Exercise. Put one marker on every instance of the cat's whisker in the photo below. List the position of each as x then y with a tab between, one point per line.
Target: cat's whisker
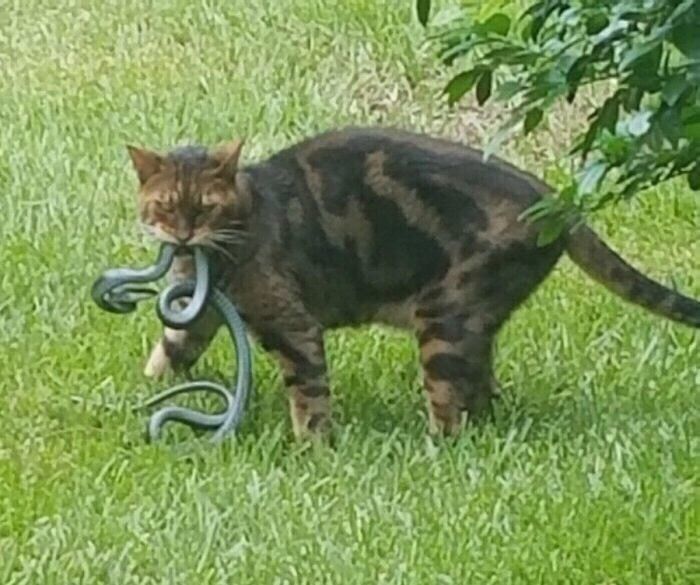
216	247
147	230
230	232
229	240
220	240
228	237
229	225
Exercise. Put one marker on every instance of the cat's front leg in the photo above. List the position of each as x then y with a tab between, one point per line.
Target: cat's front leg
301	355
179	349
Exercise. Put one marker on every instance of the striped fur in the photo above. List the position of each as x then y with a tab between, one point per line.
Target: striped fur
368	225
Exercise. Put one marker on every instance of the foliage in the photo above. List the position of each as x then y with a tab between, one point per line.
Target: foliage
645	131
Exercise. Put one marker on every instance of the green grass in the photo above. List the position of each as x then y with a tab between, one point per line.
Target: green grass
589	474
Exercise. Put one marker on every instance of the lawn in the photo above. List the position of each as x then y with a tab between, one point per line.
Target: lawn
588	475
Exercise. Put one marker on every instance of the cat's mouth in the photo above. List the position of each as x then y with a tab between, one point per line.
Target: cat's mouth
158	233
221	240
191	239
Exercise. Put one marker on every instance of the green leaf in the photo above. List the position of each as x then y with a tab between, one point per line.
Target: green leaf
691	131
451	52
462	47
632	98
673	89
526	31
682	9
596	23
461	84
686	39
550	230
691	114
638	52
578	69
423	11
506	54
613	147
483	87
539	14
591	177
539	209
571	45
533	119
646	80
584	143
609	113
569	194
486	7
498	24
654	139
612	32
669	122
508	89
639	123
694	178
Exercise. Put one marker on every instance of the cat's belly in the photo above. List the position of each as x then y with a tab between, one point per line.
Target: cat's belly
337	312
340	301
399	315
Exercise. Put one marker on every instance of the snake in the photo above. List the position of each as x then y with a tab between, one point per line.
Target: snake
119	290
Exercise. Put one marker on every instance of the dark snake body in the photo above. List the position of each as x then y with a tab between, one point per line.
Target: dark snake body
120	289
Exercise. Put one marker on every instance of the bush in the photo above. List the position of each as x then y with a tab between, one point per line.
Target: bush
645	131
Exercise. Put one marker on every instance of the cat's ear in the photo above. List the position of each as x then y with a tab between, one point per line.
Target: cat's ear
146	162
227	155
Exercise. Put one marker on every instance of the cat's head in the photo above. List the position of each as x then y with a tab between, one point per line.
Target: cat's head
192	195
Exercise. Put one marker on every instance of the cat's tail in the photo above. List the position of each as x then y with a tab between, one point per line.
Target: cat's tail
603	265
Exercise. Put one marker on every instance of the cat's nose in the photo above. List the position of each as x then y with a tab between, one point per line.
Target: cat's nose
184	235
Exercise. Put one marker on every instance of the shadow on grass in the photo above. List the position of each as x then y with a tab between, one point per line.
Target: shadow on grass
393	410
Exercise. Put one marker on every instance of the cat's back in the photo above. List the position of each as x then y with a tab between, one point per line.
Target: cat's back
369	217
417	161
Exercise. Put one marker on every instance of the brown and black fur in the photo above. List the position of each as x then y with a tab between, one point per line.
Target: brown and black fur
369	225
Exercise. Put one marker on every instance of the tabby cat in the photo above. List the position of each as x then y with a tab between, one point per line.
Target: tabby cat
369	225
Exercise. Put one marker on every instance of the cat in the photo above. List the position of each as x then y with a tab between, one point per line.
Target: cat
367	225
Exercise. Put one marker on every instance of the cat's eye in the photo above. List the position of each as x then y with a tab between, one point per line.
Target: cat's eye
203	217
210	201
203	213
166	206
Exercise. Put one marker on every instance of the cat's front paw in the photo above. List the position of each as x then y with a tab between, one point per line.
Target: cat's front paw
158	363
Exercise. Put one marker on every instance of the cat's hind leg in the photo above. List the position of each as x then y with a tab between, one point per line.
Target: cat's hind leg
456	355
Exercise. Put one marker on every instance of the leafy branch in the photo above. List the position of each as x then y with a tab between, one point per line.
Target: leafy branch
645	132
